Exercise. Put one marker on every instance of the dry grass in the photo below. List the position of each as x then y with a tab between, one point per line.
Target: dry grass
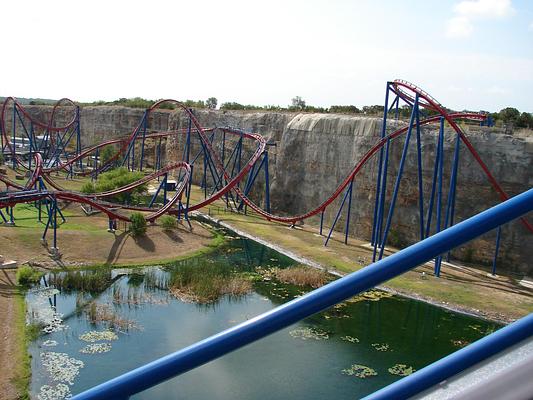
211	290
303	276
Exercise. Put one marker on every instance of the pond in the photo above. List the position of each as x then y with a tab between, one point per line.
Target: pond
99	324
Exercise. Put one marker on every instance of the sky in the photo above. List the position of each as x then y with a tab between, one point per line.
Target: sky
472	54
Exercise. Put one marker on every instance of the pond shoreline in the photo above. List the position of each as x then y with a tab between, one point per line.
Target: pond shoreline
306	261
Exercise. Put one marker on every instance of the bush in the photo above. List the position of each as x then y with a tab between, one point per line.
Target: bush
107	153
117	178
88	188
138	224
167	222
27	276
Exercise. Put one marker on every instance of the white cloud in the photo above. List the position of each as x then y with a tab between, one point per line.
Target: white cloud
459	27
466	11
485	8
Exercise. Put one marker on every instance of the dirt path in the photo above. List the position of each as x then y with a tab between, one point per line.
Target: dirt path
9	352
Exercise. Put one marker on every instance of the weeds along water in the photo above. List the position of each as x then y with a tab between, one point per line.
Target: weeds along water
96	324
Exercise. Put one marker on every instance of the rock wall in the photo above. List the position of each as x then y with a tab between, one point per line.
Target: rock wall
98	122
312	153
315	152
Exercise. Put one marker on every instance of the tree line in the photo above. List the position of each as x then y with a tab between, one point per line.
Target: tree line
508	116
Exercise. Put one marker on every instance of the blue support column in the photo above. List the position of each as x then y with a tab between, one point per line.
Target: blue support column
14	144
398	179
440	146
496	250
188	141
373	240
322	220
338	215
347	227
267	184
165	180
420	177
30	137
145	123
78	138
434	180
55	222
188	193
450	208
381	204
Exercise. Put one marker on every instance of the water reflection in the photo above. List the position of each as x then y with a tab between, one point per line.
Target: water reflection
323	356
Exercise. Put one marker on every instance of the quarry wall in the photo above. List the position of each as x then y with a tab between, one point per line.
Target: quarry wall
313	153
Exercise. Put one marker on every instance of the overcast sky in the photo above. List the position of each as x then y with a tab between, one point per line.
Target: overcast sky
474	54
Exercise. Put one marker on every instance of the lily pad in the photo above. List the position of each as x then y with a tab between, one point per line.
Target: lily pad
360	371
401	370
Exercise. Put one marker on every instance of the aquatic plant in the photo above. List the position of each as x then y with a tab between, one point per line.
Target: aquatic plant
359	371
401	370
98	336
309	333
61	367
350	339
102	313
460	342
58	392
81	281
302	276
49	343
380	346
42	314
27	276
370	295
206	283
96	348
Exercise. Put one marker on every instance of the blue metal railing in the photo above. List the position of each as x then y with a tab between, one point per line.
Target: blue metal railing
234	338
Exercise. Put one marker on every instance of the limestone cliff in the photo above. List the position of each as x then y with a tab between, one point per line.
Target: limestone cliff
312	153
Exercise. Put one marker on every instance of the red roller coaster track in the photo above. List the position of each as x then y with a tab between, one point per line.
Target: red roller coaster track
405	90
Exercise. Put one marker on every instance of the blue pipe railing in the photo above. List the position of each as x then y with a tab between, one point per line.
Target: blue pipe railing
320	299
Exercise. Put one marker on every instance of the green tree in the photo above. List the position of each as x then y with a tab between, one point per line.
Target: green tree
297	103
525	120
509	115
344	109
211	103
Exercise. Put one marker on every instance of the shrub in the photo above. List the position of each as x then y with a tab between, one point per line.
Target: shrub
138	224
117	178
303	276
107	153
27	276
88	188
168	223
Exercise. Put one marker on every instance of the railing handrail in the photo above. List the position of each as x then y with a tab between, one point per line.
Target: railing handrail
289	313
